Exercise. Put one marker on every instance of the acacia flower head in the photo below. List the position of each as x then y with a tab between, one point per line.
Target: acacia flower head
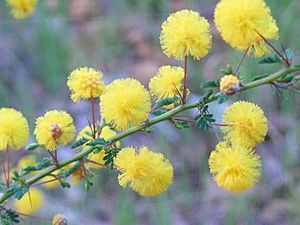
147	173
30	203
229	83
55	127
246	124
85	83
234	168
185	33
125	103
241	21
14	129
21	9
106	133
167	83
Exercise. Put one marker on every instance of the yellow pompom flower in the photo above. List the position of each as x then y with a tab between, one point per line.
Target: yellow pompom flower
21	9
147	173
185	33
24	205
246	124
167	83
106	133
14	129
126	103
228	83
238	21
55	127
234	168
85	83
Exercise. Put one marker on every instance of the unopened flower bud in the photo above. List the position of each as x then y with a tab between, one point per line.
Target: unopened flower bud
229	84
59	219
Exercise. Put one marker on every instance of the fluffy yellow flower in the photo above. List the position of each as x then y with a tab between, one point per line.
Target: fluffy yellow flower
185	33
21	9
125	103
234	168
55	127
229	82
14	129
238	21
246	122
106	133
25	206
85	83
167	82
148	173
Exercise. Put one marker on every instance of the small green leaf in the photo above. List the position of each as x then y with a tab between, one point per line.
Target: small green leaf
20	191
80	142
43	164
223	98
32	146
67	173
210	84
149	130
227	70
15	175
89	133
166	101
259	77
204	99
97	141
269	59
287	78
182	124
64	184
158	112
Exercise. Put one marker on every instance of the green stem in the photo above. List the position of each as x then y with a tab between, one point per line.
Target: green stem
163	117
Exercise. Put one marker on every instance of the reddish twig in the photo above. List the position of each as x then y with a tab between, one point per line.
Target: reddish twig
93	115
241	61
274	49
185	80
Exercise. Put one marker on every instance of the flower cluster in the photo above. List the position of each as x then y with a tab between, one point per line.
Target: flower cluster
234	164
125	105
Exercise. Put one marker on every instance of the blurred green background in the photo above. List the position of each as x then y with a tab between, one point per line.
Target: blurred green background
121	38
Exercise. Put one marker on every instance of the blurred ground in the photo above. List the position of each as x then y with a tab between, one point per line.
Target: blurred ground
121	38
